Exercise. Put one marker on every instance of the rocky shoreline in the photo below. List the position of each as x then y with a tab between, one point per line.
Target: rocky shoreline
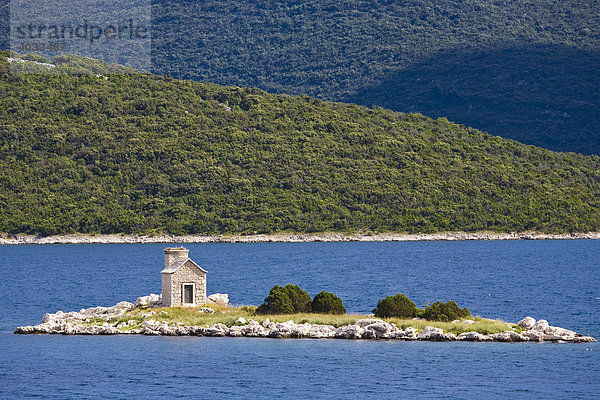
290	238
109	321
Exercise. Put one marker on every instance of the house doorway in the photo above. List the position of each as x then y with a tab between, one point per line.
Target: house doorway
188	293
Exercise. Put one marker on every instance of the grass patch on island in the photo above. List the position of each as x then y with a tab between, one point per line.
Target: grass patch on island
191	316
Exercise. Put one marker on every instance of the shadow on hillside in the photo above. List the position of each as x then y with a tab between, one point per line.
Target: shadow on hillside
543	95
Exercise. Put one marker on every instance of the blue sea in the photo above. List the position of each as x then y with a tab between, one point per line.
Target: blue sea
554	280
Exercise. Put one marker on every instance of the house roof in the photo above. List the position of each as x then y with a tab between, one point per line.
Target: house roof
175	266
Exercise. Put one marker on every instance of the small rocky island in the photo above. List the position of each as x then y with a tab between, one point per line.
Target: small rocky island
147	317
183	309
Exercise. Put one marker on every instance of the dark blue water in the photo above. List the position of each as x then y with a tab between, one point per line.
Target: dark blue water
556	280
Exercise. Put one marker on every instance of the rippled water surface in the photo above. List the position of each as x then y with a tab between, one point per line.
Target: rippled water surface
555	280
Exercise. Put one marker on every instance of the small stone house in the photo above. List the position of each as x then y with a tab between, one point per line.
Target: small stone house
183	281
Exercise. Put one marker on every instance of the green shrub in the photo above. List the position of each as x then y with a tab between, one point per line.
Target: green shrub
277	302
395	306
299	298
248	309
289	299
328	303
449	311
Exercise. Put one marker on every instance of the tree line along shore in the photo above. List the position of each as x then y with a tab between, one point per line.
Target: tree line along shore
9	239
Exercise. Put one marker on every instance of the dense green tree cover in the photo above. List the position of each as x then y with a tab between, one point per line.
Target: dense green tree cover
300	298
398	306
327	303
144	153
401	306
290	299
543	95
277	302
527	70
449	311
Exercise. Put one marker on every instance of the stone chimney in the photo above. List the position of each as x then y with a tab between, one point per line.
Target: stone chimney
175	255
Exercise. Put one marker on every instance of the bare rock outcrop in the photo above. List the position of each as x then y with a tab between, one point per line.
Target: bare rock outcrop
219	299
148	301
509	336
526	323
541	330
436	334
474	337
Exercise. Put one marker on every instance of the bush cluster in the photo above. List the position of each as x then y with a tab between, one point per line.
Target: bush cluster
395	306
328	303
401	306
291	299
449	311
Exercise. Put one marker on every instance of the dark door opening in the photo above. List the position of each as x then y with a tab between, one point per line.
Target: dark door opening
188	294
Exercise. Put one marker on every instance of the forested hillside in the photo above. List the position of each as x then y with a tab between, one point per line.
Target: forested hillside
527	70
98	152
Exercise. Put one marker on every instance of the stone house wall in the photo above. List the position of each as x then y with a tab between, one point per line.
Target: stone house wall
167	291
187	273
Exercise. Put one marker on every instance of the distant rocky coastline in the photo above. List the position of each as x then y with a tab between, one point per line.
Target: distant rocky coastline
108	321
290	238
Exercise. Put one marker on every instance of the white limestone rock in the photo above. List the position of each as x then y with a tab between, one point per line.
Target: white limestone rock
124	305
219	299
196	330
254	329
431	333
206	310
282	330
473	337
367	321
322	332
286	325
168	330
509	336
583	339
526	323
301	331
380	330
540	326
217	330
150	324
48	317
408	334
349	332
562	332
26	330
236	331
182	331
93	312
534	336
150	300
